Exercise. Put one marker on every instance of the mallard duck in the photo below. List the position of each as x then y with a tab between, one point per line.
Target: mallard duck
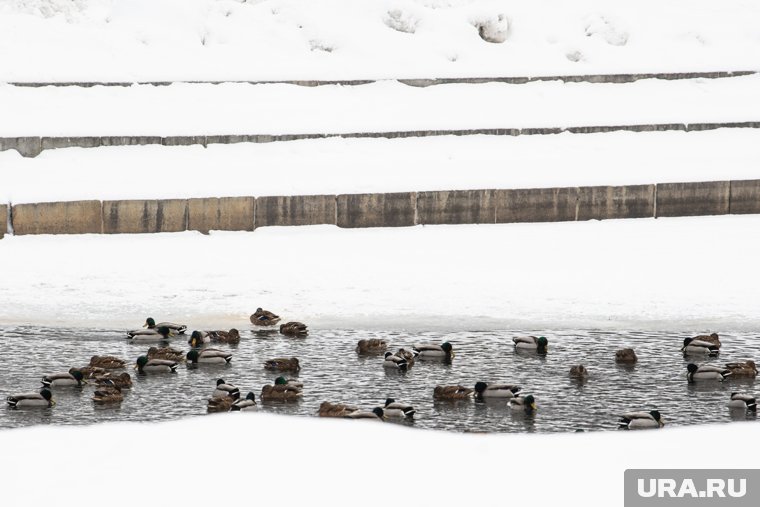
176	328
145	365
483	390
742	369
578	371
167	353
264	318
246	404
525	404
150	335
641	420
692	346
122	380
108	394
91	371
107	362
41	399
709	338
408	356
539	344
400	410
743	401
282	381
626	356
198	339
452	393
327	409
280	392
209	356
74	378
220	404
371	346
231	336
393	361
377	414
225	390
431	351
706	372
294	329
283	364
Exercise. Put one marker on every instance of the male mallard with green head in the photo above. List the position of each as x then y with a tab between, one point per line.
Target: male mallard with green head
706	372
539	344
245	404
198	339
377	414
641	420
145	365
395	362
225	390
693	346
443	351
208	356
72	378
41	399
743	401
393	408
151	335
522	403
152	328
483	390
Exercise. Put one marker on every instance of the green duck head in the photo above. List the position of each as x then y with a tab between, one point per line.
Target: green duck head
196	339
446	346
192	356
388	401
149	323
530	403
164	331
542	343
280	381
78	375
141	362
480	387
251	396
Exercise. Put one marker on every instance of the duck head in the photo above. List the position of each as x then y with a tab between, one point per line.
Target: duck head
196	339
251	396
530	403
379	412
480	387
192	356
541	344
149	323
141	362
691	367
48	395
280	381
164	332
657	417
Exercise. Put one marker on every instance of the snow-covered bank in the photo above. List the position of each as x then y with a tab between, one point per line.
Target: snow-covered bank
279	39
664	274
298	461
335	166
200	109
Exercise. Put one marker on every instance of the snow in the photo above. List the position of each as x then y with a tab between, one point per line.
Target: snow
234	457
199	109
329	39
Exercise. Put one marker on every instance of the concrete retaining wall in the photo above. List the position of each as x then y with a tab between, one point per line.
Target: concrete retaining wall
76	217
387	210
296	210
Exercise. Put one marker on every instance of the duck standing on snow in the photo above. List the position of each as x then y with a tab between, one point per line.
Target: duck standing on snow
74	378
148	335
746	369
264	318
294	329
448	393
145	365
693	346
706	372
743	401
641	420
539	344
208	356
371	346
483	390
522	403
443	351
399	410
41	399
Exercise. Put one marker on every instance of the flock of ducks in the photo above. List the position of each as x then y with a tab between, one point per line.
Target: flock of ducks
226	397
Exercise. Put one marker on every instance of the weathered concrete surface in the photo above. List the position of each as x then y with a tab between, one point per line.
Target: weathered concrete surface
377	210
295	210
605	202
220	214
456	207
129	140
183	140
745	197
26	146
140	216
49	143
536	205
3	220
692	199
75	217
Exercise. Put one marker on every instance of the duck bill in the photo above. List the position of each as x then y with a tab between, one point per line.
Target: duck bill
134	367
533	406
145	325
52	403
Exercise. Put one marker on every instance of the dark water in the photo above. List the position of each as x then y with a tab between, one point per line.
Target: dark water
331	371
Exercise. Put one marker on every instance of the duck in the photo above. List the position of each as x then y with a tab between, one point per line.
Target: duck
73	378
398	410
225	390
641	420
452	393
294	329
264	318
41	399
539	344
377	414
152	328
107	362
393	361
692	346
122	381
108	394
371	346
409	357
743	401
208	356
150	335
91	371
232	336
220	404
198	339
483	390
167	353
145	365
745	369
245	404
579	371
706	372
280	392
282	381
327	409
627	356
431	351
283	364
522	403
709	338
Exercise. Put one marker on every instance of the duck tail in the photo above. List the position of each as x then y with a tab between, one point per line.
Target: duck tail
409	413
46	382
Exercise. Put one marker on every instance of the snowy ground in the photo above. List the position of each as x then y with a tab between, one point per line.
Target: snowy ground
281	39
199	109
336	166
